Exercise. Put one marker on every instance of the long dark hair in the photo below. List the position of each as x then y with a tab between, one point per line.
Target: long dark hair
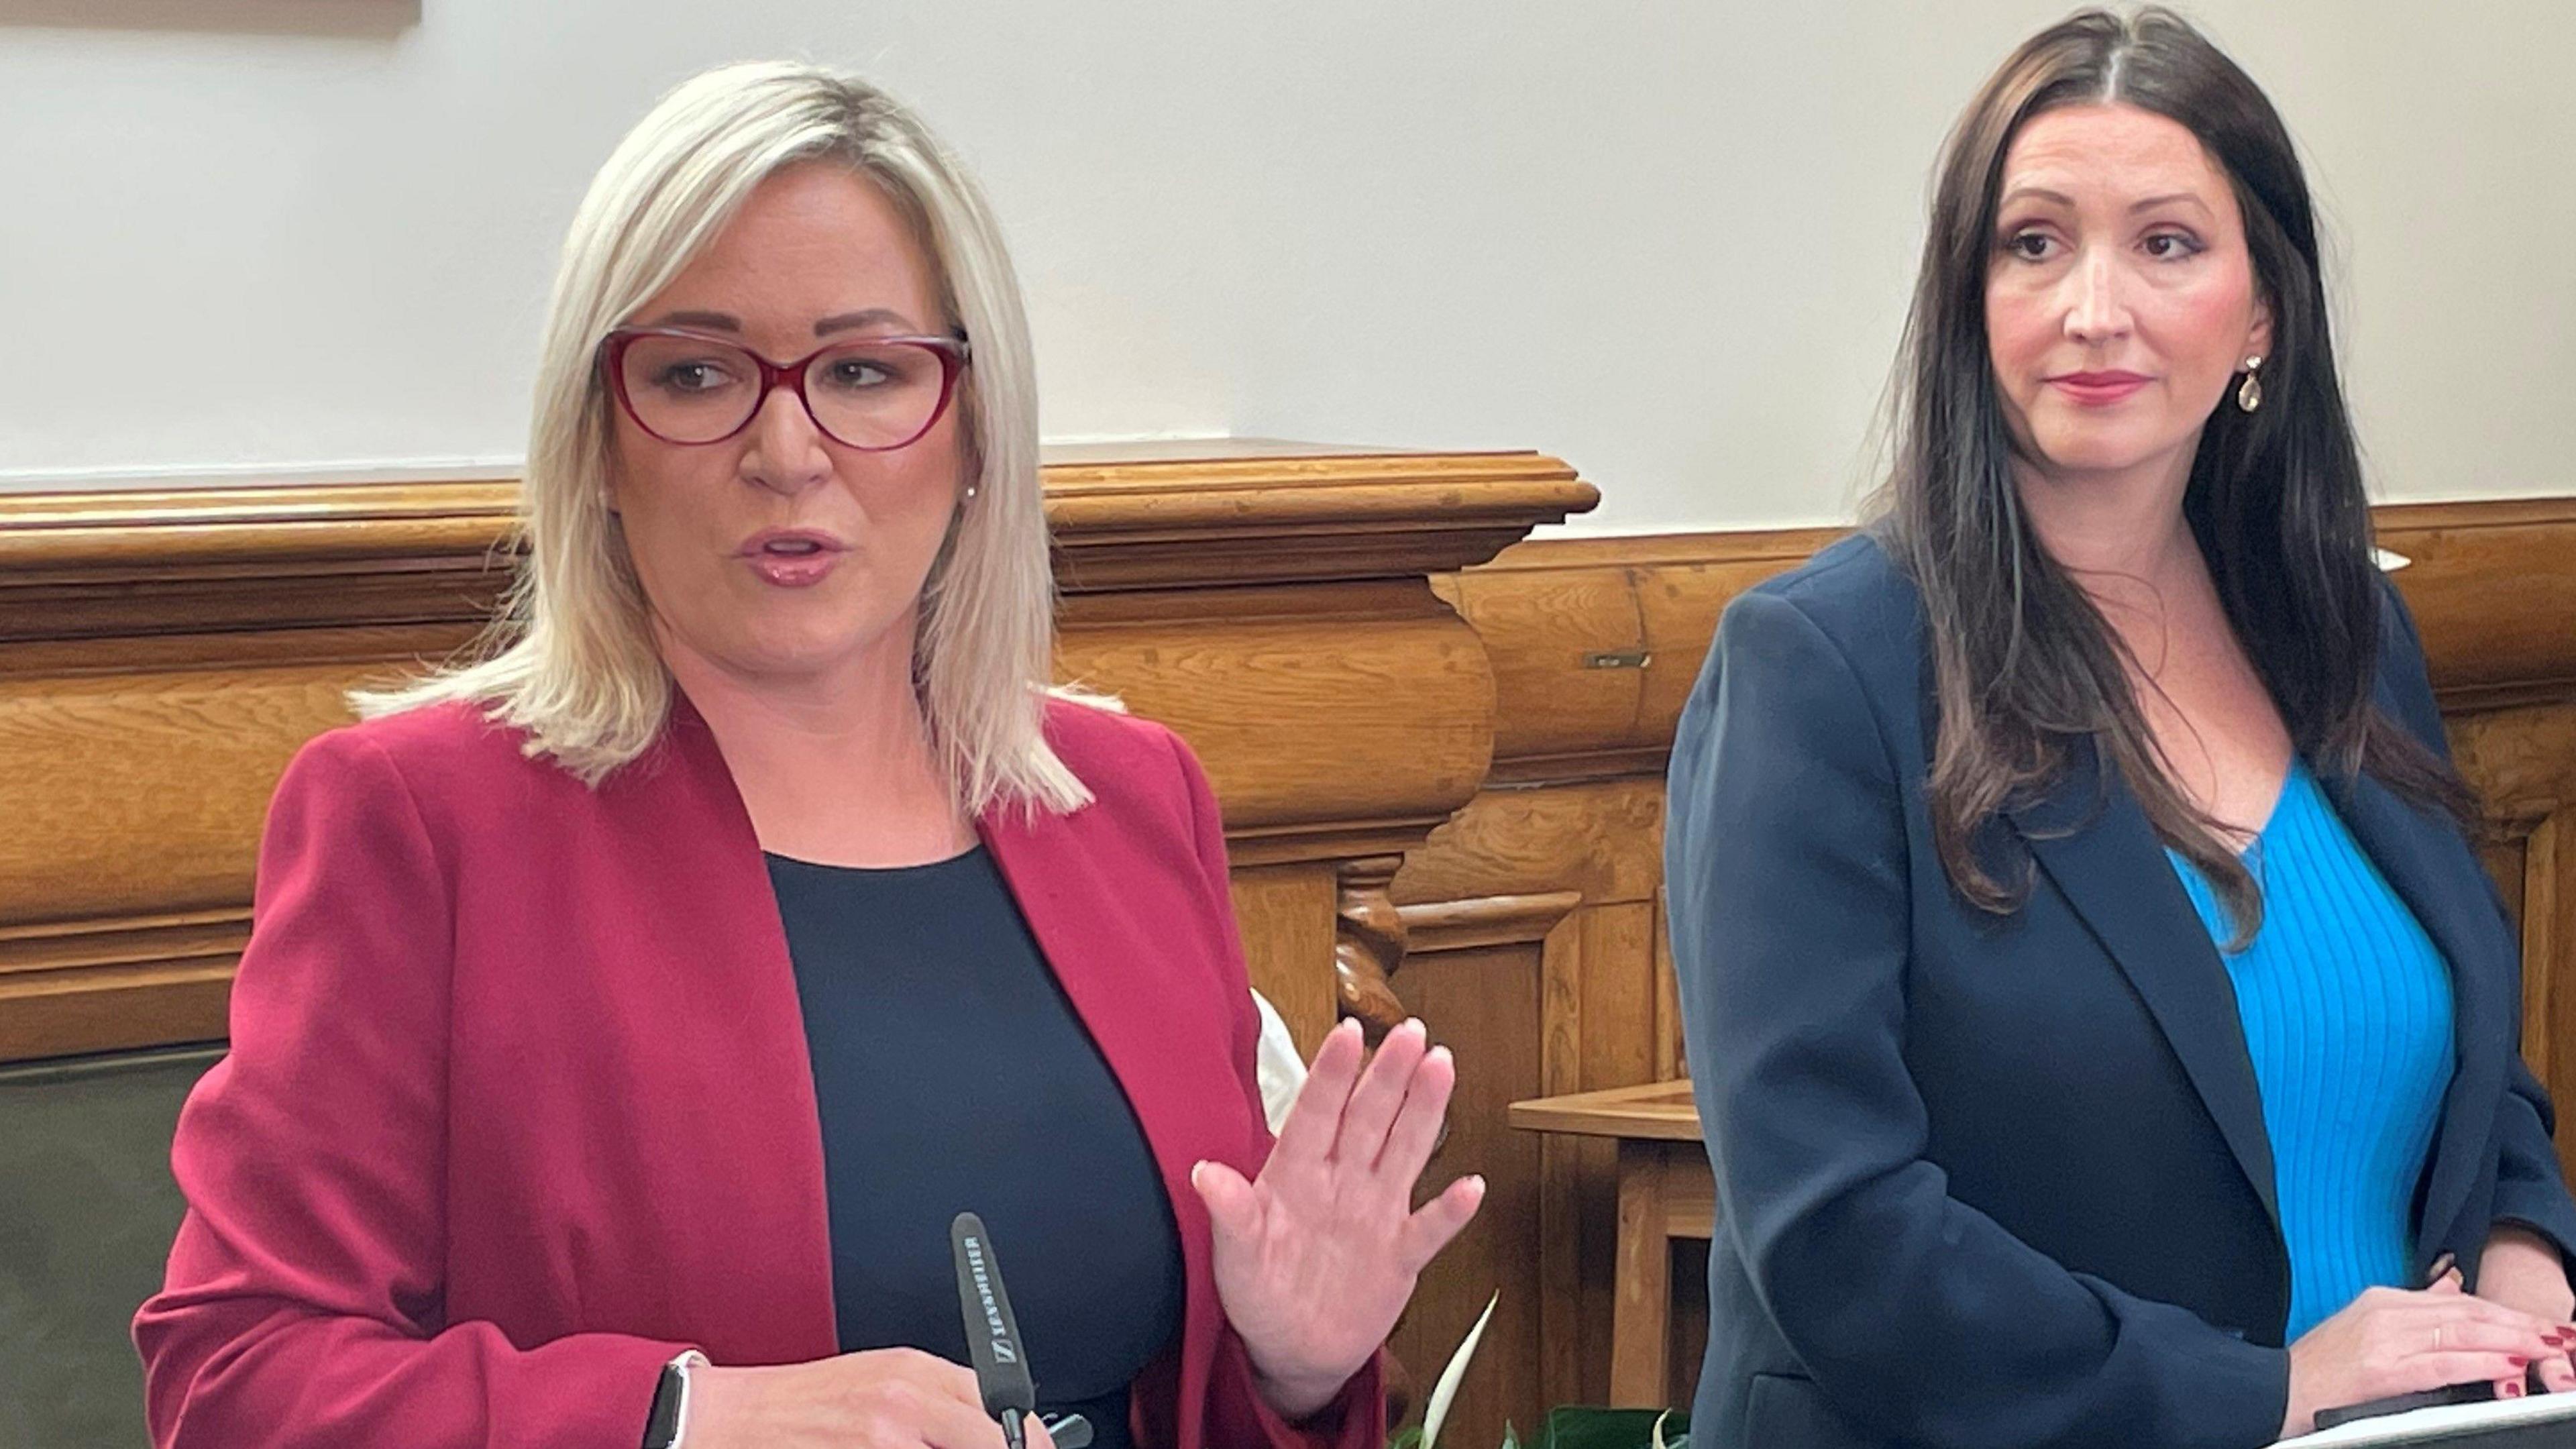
2025	667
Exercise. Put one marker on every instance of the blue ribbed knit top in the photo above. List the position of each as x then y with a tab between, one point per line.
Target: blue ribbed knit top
2347	1011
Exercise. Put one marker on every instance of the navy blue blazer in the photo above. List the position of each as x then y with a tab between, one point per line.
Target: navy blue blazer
1995	1182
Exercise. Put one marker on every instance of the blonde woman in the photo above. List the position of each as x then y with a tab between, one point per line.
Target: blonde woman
627	1014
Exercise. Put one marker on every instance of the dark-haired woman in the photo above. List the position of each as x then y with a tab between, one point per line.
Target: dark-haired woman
2103	1029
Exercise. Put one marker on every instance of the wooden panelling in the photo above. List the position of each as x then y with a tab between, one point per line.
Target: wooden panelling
2523	758
2493	594
134	805
1485	973
1596	642
1604	838
1327	708
163	654
1569	637
1130	516
1483	993
1286	913
1595	970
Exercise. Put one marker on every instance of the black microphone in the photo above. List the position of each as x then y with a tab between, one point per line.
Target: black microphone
992	1335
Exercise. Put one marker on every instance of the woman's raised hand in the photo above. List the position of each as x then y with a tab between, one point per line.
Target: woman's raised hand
1317	1256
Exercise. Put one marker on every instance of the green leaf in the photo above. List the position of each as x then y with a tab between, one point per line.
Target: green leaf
1409	1437
1511	1436
1446	1389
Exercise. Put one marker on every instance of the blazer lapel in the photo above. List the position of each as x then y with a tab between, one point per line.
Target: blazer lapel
767	1295
1099	934
2092	839
2442	882
1099	939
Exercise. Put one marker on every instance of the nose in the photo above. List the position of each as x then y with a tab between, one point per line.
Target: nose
786	453
2095	309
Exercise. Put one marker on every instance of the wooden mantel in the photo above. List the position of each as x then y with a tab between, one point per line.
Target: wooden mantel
163	653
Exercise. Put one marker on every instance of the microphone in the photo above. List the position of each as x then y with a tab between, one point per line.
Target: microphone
992	1335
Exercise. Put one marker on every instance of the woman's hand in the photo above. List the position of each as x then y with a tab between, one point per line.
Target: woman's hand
1316	1257
2521	1269
2392	1341
887	1398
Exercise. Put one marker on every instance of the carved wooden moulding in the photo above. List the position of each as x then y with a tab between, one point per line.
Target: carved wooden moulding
163	654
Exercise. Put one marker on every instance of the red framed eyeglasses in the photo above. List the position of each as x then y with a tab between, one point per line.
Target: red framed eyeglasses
871	393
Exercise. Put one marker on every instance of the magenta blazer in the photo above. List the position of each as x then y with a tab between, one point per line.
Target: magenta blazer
518	1104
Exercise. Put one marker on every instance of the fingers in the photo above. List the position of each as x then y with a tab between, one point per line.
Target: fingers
2476	1335
941	1377
2443	1303
1439	1221
946	1424
1416	1133
1038	1437
1380	1094
2442	1336
2440	1370
1234	1208
2557	1374
1315	1118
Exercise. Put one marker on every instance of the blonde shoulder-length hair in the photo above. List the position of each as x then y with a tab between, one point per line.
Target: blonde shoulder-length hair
572	661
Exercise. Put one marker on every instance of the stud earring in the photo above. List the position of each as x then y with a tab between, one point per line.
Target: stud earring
2249	394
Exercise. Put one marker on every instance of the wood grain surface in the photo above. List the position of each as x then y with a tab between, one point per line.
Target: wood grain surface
164	653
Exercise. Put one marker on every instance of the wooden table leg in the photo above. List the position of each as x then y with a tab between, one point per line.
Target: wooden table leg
1641	1313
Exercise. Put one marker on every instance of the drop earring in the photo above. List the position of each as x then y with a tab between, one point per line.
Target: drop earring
2249	394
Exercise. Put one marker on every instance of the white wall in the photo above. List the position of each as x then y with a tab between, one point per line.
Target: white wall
1668	241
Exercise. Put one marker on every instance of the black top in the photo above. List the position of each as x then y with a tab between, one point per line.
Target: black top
953	1075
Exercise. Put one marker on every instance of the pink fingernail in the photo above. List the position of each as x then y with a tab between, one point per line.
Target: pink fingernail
2509	1389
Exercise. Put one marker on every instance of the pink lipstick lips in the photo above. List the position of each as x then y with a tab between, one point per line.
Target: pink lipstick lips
793	558
2098	389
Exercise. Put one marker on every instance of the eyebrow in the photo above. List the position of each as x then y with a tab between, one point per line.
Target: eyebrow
2152	202
712	321
2035	193
873	315
727	322
2060	198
